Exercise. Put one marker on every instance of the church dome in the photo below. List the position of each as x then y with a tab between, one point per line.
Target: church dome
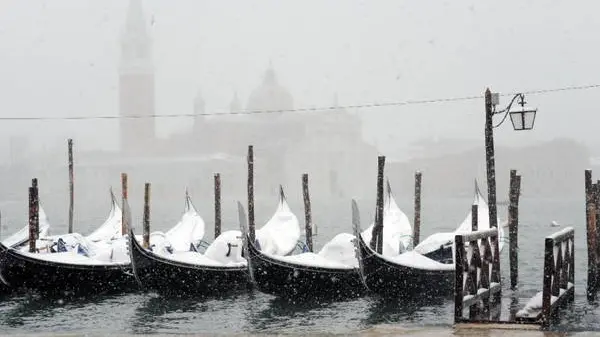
270	95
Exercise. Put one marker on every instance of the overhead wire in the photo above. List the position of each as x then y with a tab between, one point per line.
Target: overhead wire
304	109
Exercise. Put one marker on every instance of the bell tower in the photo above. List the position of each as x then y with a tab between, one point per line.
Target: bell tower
136	83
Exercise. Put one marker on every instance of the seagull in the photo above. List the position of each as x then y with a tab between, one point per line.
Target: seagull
554	224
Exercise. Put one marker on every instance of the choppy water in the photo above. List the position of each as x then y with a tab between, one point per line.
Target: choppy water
256	312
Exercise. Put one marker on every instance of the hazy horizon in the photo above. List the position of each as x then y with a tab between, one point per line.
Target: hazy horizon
60	58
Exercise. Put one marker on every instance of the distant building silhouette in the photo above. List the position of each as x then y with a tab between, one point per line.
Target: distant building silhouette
136	83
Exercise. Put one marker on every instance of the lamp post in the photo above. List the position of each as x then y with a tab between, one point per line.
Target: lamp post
522	119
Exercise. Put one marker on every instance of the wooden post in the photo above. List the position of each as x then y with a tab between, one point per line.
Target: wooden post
217	179
36	191
307	212
377	233
71	185
590	210
251	225
474	217
547	286
596	193
458	278
124	228
33	216
146	242
417	222
490	159
513	227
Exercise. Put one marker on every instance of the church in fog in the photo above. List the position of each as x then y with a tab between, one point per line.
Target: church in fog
328	145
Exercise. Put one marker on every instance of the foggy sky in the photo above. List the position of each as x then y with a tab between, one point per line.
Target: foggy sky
60	57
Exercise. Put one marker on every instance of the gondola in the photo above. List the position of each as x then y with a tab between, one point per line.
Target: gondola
412	274
194	275
332	273
71	272
220	269
66	272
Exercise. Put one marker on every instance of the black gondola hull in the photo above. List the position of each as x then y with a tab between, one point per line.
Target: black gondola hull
391	280
302	283
166	276
23	272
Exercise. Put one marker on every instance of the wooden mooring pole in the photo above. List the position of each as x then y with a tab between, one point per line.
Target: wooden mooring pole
36	190
217	178
377	233
71	184
417	222
513	227
251	225
307	212
146	238
33	215
590	210
474	217
123	204
596	196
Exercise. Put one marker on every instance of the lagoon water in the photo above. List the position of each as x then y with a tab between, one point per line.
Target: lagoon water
254	312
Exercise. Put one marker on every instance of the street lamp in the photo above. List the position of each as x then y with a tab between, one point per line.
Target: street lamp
521	118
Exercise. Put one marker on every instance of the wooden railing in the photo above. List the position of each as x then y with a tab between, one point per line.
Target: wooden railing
477	277
559	278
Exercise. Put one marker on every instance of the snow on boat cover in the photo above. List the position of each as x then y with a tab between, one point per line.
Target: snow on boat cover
111	248
277	237
340	251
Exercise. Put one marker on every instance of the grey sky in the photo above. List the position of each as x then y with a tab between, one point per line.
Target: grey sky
60	57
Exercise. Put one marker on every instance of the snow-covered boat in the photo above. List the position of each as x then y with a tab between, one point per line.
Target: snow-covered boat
221	268
20	238
88	268
333	271
427	269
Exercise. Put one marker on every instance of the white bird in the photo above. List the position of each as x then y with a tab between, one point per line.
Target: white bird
554	224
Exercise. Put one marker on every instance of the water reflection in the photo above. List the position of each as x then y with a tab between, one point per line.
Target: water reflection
413	309
33	307
187	313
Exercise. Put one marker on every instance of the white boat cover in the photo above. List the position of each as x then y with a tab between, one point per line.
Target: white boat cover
228	242
340	249
397	230
280	234
111	228
189	230
340	253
